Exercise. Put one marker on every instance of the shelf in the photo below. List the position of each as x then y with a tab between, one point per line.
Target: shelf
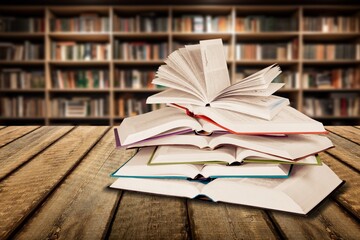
22	62
80	36
88	118
330	62
335	36
331	90
22	35
79	63
22	90
337	117
266	35
265	62
194	36
141	35
22	118
138	62
80	90
131	90
288	90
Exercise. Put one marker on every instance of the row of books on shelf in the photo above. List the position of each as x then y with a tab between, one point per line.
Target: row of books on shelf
335	78
79	107
331	51
22	24
260	51
80	51
134	79
264	23
331	23
147	22
127	106
16	78
21	106
140	50
70	79
24	51
202	23
87	22
337	104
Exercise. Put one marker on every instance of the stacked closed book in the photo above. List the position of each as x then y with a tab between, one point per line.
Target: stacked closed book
219	141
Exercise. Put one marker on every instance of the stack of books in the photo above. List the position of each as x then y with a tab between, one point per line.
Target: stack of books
231	143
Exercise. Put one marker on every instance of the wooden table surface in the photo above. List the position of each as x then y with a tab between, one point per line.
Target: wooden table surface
54	184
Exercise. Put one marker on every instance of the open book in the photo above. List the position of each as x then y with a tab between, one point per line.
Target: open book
197	75
138	167
168	121
222	155
291	147
306	188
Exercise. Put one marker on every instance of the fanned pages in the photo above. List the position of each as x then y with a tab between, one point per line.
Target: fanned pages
197	75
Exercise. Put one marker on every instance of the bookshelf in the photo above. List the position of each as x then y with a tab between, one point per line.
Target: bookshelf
94	63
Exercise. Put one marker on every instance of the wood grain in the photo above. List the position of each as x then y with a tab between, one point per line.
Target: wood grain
349	132
327	222
83	193
148	216
1	127
347	195
228	221
23	149
25	189
345	151
12	133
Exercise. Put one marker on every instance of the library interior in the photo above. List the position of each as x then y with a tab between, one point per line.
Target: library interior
93	64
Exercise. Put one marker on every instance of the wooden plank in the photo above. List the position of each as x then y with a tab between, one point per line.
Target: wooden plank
347	195
28	187
12	133
327	222
351	133
82	193
22	150
345	150
228	221
1	127
148	216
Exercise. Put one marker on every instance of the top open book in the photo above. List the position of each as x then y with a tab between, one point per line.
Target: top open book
197	75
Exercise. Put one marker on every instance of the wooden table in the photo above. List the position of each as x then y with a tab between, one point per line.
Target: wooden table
54	184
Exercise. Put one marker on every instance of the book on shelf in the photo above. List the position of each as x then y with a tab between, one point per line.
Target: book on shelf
198	23
79	107
331	51
225	154
19	52
85	22
138	167
143	51
262	51
337	104
80	51
134	79
290	148
146	22
197	76
171	120
128	106
336	78
22	24
330	24
16	78
71	79
265	23
22	106
278	194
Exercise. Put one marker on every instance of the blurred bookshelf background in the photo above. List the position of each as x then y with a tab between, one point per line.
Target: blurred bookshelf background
93	65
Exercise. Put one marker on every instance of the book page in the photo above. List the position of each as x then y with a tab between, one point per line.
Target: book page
174	96
272	88
287	121
138	166
144	126
196	63
191	154
215	68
